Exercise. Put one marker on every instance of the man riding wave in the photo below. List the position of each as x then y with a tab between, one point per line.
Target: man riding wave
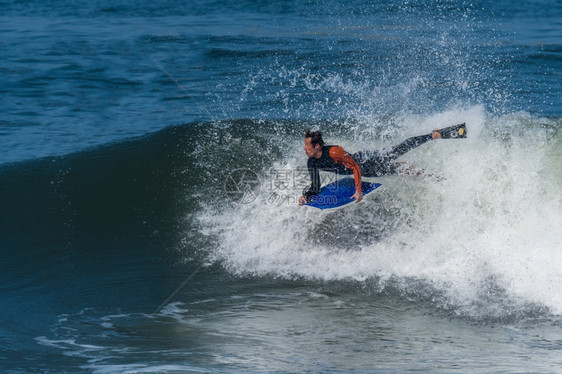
333	158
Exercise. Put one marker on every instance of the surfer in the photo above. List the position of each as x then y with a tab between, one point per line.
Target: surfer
333	158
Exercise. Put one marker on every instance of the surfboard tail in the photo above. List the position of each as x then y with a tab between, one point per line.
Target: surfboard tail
454	132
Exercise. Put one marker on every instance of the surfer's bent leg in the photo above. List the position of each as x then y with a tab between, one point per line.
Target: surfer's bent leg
377	164
374	164
407	145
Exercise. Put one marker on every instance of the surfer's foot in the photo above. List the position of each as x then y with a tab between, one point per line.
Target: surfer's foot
436	134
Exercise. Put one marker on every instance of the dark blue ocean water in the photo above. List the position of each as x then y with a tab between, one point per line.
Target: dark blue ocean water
128	242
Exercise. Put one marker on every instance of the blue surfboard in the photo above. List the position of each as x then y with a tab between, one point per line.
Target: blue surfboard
339	193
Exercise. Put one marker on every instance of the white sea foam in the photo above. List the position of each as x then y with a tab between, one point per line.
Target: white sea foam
489	230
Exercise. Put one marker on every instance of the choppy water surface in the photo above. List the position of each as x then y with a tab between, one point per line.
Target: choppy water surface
125	249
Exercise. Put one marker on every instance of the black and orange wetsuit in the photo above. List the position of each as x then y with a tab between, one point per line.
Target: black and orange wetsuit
333	159
367	163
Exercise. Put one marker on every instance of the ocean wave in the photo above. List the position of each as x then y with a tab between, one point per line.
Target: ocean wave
485	216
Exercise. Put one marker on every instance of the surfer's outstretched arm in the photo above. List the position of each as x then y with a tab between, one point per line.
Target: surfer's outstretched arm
342	157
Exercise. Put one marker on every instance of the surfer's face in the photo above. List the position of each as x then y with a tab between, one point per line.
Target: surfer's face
309	149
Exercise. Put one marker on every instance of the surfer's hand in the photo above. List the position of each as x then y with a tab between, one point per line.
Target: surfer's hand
436	134
357	196
302	200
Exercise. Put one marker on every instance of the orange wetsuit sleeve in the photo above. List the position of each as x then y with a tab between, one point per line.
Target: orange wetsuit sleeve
340	156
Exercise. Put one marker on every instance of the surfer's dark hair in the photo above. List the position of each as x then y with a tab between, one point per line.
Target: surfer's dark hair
315	137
